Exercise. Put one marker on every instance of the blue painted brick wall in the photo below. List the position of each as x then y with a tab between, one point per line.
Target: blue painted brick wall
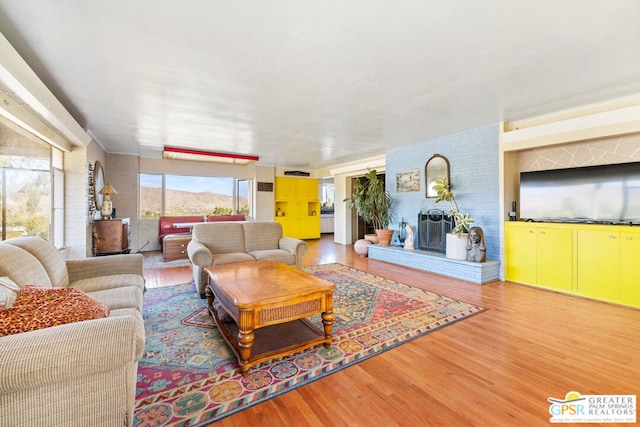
473	163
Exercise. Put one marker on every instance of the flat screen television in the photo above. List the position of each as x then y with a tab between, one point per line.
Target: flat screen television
607	194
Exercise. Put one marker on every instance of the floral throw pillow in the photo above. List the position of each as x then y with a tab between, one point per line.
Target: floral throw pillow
38	307
8	292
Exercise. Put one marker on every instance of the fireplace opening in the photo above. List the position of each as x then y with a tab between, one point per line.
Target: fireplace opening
433	227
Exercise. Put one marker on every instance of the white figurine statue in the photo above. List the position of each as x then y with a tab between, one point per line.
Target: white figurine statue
408	242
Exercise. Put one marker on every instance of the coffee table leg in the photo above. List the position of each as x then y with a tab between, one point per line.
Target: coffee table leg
210	298
245	339
327	321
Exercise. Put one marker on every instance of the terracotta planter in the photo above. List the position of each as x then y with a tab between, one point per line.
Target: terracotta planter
384	237
457	246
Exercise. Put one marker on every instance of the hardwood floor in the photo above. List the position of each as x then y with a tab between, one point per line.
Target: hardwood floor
496	368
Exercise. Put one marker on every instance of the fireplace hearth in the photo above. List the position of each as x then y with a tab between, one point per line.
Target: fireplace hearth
433	227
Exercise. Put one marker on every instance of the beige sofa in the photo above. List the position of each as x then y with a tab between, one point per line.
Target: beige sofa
223	243
77	374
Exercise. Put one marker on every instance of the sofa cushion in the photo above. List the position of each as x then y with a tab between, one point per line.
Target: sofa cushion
220	237
21	266
260	236
103	283
275	254
8	292
48	255
43	307
219	259
122	297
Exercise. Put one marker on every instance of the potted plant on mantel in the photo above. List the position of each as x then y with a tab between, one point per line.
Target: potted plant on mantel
457	238
373	204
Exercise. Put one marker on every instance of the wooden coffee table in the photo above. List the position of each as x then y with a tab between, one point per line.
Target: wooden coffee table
269	302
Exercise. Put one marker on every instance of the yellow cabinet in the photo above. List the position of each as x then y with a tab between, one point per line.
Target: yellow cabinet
539	255
554	255
285	189
607	264
520	253
308	189
599	264
591	260
629	271
297	207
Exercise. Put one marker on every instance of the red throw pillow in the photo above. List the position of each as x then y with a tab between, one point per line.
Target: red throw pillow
38	307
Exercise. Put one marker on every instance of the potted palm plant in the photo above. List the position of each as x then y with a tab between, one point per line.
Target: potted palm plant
373	204
457	238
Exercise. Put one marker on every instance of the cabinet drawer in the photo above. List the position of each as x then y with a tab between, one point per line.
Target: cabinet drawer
174	248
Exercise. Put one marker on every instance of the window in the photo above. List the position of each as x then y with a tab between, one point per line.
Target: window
150	196
178	195
328	197
243	198
26	190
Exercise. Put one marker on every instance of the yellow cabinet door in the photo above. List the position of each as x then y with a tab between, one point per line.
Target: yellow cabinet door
284	221
599	264
554	256
629	271
297	224
307	189
298	228
520	253
313	227
285	188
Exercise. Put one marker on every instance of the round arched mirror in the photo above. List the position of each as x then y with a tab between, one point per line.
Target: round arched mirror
436	167
99	183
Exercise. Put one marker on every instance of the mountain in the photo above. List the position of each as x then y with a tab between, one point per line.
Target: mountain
180	202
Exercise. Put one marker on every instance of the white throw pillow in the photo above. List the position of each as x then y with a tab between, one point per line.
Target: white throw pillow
8	292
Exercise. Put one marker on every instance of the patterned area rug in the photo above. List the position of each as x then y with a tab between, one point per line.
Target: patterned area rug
153	259
188	376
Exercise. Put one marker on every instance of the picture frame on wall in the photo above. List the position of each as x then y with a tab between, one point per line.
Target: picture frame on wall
407	181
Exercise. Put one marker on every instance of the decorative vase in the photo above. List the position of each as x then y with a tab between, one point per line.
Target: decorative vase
457	246
362	247
384	237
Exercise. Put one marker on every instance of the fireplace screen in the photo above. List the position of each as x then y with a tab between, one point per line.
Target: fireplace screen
433	227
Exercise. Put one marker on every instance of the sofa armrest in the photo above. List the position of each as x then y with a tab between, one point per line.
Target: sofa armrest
295	246
56	354
199	254
104	266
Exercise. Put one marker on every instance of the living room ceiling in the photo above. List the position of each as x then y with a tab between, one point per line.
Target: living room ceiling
314	84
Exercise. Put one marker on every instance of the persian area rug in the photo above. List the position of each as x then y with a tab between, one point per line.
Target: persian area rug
153	259
188	375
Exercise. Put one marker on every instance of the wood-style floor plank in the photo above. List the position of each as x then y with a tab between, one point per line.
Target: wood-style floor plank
496	368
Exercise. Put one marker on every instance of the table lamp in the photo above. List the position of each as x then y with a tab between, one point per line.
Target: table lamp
106	208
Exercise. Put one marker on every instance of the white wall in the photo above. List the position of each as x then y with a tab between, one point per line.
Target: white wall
264	204
78	237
